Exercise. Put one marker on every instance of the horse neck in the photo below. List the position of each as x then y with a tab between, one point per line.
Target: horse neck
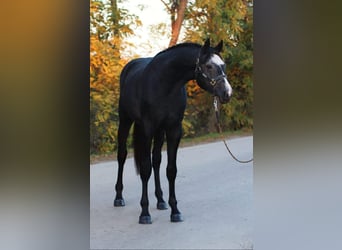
178	65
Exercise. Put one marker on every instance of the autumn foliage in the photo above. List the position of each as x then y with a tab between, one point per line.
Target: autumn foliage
105	67
106	64
227	20
232	22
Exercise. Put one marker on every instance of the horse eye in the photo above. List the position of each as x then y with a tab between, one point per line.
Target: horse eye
208	66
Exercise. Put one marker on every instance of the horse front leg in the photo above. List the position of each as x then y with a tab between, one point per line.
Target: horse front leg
173	137
145	173
156	160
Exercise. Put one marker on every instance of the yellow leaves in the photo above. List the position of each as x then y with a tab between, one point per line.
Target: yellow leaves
138	22
188	128
193	89
112	131
105	67
105	63
125	29
101	117
108	24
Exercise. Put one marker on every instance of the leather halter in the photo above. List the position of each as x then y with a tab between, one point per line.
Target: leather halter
212	81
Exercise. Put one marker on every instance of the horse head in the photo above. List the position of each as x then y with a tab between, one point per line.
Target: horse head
210	72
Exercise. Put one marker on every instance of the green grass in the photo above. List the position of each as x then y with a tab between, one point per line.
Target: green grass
185	142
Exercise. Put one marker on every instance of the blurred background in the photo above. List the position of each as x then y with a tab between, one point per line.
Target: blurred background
45	119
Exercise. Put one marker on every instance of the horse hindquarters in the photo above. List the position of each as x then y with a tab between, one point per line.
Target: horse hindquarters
142	155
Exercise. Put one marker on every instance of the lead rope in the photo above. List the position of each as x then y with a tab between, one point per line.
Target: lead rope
219	130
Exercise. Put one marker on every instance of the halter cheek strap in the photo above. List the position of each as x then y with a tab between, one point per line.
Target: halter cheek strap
212	81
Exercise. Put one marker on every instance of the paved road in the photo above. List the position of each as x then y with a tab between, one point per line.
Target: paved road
214	195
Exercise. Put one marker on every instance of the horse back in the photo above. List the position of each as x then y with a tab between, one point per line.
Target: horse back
133	70
142	92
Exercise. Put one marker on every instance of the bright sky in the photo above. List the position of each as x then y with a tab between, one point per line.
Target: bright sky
153	13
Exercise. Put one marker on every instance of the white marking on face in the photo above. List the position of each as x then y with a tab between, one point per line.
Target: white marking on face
218	61
228	87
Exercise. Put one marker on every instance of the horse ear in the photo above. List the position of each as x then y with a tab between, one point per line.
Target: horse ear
219	47
205	47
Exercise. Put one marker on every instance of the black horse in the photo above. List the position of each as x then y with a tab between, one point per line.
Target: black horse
153	97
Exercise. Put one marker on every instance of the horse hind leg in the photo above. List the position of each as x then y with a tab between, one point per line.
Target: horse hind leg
123	131
156	160
142	154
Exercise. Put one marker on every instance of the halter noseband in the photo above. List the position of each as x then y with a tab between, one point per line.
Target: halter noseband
212	81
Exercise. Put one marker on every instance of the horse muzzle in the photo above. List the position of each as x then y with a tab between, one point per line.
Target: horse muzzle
224	98
223	90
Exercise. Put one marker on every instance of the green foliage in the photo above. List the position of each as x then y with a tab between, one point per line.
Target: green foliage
227	20
188	129
108	25
232	22
105	67
103	117
198	109
108	21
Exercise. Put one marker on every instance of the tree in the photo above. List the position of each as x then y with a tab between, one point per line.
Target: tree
108	25
227	20
176	8
232	22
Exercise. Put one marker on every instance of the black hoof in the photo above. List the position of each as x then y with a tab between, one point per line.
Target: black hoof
119	203
162	205
176	218
146	219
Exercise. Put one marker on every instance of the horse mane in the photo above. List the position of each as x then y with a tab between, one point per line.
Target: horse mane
180	45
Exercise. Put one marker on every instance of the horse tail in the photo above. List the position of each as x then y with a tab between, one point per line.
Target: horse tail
138	146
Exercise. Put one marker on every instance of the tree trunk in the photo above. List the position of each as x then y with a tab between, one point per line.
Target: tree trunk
177	16
115	17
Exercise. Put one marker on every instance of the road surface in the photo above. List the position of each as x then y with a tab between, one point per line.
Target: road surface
214	194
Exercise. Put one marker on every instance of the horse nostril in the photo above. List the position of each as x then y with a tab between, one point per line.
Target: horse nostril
227	96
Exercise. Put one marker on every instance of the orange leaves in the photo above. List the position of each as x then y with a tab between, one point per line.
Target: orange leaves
108	25
105	63
192	89
105	68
